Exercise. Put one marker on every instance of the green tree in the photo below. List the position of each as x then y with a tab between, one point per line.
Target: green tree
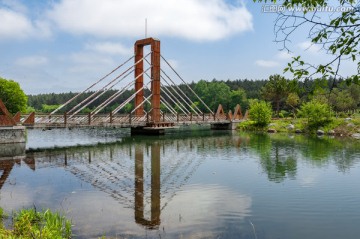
238	97
293	100
49	108
354	91
276	90
12	96
201	89
260	112
334	32
30	109
213	93
317	113
128	108
341	100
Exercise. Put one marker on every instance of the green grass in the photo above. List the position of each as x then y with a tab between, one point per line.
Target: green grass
339	125
28	223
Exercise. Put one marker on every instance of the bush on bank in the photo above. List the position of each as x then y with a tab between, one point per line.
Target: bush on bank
260	113
335	126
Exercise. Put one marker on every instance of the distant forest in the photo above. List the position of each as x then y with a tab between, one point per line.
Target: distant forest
228	93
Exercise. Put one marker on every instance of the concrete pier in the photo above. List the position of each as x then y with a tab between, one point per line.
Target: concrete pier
147	131
225	126
12	134
12	151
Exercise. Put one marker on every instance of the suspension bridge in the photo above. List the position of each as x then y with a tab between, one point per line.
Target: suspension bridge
158	102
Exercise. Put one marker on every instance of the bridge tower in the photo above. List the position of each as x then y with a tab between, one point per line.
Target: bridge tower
155	77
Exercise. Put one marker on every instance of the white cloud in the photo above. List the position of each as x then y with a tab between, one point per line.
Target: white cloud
32	61
308	46
173	63
89	63
267	64
284	55
110	48
15	5
16	25
207	200
191	19
90	58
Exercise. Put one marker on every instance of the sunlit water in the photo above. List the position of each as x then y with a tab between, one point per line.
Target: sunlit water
202	184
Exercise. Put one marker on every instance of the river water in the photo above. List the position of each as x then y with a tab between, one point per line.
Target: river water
189	184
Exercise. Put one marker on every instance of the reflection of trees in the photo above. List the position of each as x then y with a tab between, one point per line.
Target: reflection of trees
279	153
276	158
320	151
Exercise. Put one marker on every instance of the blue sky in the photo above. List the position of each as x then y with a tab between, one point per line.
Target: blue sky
65	45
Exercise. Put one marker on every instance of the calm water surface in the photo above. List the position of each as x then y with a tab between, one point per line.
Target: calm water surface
198	184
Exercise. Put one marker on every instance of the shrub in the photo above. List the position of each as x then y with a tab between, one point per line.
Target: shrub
318	114
260	112
284	114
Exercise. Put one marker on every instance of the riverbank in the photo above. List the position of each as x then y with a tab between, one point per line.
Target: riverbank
340	127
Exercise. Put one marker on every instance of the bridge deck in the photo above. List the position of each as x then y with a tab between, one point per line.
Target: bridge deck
121	120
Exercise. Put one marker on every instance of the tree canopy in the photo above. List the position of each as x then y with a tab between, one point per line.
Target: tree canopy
277	90
333	28
12	96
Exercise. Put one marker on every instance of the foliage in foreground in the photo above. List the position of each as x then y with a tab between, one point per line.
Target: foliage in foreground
335	32
28	223
12	96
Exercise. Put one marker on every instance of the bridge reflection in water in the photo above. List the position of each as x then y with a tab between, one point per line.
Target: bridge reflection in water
155	187
144	176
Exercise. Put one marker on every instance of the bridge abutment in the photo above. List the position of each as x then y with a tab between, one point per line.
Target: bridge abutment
225	126
12	134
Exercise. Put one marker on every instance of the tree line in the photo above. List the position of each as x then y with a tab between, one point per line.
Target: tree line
285	95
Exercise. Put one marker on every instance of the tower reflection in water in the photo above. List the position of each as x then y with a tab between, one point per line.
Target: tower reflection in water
154	221
148	178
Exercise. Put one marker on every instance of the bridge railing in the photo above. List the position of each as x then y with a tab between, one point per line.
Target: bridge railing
208	117
63	120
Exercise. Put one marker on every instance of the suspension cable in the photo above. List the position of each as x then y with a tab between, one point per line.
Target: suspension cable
187	85
102	89
73	98
111	99
196	112
178	101
181	106
182	93
165	90
121	92
172	110
128	100
168	106
102	92
145	99
96	92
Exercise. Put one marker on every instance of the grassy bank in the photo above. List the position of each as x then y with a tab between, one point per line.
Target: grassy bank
335	126
29	223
